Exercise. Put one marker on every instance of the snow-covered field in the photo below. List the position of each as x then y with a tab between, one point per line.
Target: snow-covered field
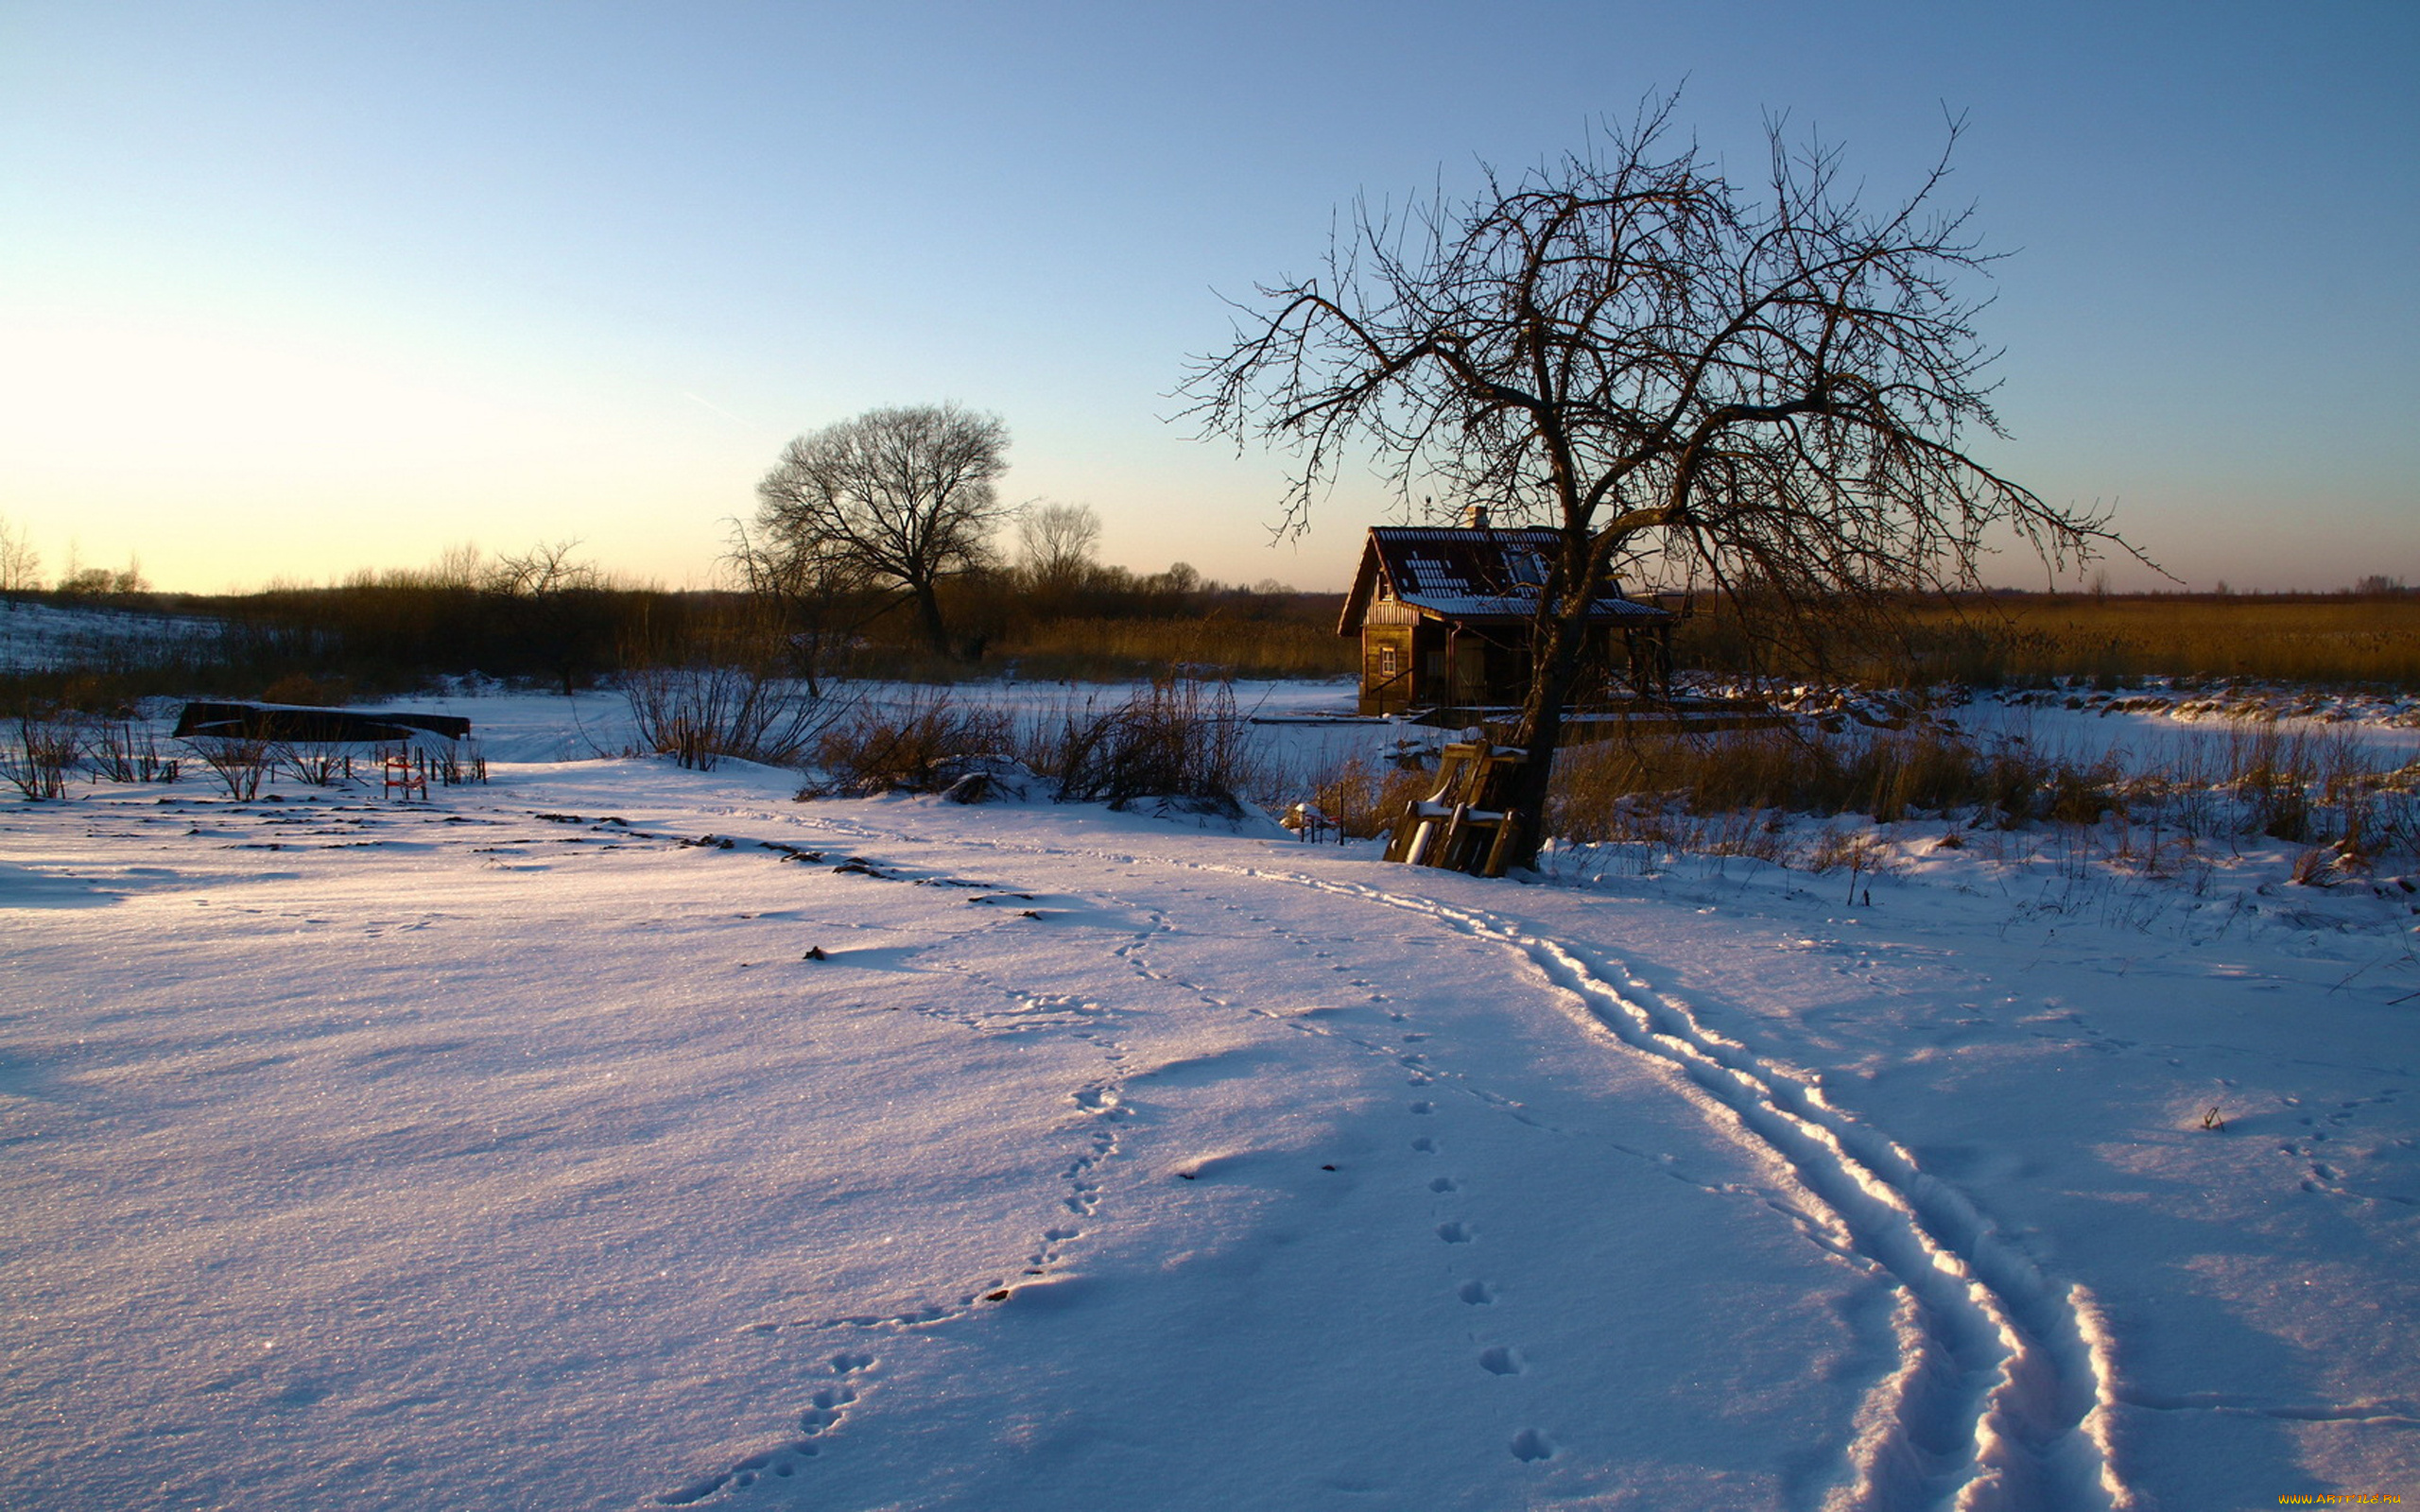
510	1150
43	635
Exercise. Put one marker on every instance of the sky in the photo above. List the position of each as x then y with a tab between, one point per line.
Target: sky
289	291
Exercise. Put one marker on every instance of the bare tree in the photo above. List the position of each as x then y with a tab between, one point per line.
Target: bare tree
457	566
1056	543
551	600
20	563
807	595
906	496
1763	384
544	569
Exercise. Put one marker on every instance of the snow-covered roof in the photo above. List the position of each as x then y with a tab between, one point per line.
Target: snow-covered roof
1468	573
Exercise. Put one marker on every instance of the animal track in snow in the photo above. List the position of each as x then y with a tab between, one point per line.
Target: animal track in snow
1500	1360
1454	1233
1476	1294
2337	1165
1530	1446
823	1413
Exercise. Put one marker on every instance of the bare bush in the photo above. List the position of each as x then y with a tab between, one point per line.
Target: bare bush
1177	737
119	750
35	759
241	762
883	747
700	714
315	763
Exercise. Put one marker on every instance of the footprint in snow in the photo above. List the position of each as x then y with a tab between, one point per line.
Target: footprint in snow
1499	1360
1530	1446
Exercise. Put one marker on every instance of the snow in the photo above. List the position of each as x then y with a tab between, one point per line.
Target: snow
34	635
505	1151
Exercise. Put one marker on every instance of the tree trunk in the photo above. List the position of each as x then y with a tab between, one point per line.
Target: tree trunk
1559	643
928	614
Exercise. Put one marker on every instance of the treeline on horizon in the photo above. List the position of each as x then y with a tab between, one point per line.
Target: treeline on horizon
391	632
547	619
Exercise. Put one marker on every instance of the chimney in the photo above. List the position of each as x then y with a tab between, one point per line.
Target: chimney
1477	517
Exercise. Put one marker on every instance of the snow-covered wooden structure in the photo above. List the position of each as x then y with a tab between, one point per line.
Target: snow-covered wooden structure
296	722
1445	617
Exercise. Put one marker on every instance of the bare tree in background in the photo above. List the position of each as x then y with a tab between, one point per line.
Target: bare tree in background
459	565
20	564
551	597
1763	384
903	496
804	588
544	569
1056	545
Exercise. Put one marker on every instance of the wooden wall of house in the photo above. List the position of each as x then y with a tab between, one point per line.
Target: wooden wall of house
1425	665
1387	674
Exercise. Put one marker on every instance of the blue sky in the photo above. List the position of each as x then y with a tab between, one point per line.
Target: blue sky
286	291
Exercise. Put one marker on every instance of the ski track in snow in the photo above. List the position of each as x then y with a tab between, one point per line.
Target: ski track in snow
2004	1393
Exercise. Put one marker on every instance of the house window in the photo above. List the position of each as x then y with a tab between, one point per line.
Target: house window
1386	661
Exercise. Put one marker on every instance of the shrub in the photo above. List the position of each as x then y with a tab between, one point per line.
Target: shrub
879	747
317	763
239	760
35	758
1175	737
700	714
120	752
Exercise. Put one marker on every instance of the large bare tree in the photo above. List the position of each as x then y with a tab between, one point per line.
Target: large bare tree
1763	384
905	496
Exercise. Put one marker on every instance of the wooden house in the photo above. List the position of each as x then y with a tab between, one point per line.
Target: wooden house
1444	615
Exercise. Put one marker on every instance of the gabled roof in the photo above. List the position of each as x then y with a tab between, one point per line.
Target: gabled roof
1468	574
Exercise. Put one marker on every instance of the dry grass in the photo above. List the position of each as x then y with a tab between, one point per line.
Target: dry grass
1119	649
1365	797
2334	640
1997	639
2331	640
1737	794
1886	774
